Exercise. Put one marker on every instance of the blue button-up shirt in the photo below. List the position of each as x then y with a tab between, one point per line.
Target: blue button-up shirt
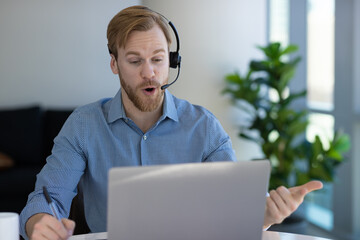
99	136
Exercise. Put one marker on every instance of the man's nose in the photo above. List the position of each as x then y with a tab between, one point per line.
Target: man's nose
147	70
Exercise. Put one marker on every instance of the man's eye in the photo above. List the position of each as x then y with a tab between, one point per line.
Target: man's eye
158	60
135	61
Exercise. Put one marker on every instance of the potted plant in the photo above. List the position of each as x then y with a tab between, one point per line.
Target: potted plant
279	129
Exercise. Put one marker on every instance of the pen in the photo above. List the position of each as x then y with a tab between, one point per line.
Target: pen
51	204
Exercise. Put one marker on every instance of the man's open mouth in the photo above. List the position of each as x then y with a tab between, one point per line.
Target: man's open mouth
150	89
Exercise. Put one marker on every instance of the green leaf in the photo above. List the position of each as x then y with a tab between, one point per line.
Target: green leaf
296	127
317	147
258	66
342	143
290	49
293	97
332	153
284	79
247	137
271	50
289	66
233	78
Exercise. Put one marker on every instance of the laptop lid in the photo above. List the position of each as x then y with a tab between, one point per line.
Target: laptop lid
221	200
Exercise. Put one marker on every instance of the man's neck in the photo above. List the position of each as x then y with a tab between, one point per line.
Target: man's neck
144	120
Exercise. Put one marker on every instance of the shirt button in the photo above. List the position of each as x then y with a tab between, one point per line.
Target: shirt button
144	137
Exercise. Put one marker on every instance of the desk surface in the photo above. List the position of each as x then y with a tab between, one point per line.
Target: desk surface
267	235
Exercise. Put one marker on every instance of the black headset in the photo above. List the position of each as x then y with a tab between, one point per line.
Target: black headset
174	57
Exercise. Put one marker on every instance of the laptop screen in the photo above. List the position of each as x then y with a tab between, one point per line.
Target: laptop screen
222	200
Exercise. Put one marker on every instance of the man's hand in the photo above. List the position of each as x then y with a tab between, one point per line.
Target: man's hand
45	226
282	202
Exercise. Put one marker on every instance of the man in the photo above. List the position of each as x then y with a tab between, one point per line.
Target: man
141	125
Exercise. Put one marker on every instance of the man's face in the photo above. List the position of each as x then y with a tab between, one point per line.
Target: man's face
143	67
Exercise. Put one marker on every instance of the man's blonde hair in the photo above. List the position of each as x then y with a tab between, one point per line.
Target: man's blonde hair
135	18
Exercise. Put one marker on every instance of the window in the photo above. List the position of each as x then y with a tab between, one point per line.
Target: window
279	21
319	203
320	54
318	79
320	87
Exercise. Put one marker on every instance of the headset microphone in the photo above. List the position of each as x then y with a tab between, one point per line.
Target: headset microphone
163	87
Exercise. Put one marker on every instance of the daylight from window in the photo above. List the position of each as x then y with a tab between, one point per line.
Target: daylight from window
320	53
279	21
320	88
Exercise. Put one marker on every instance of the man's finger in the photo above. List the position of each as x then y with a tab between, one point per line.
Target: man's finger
313	185
301	191
277	199
291	203
69	225
56	226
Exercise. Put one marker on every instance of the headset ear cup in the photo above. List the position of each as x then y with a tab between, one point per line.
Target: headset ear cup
174	59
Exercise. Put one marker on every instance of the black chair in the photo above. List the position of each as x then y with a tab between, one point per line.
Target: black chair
77	214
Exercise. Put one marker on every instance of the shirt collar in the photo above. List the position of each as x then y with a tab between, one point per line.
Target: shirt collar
169	108
117	111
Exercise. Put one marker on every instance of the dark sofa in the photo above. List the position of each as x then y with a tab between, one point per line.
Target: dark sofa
26	138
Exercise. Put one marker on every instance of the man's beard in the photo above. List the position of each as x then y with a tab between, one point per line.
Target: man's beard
142	102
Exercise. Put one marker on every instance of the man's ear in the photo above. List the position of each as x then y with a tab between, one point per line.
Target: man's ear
113	64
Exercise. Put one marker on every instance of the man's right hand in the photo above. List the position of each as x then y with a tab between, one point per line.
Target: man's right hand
45	226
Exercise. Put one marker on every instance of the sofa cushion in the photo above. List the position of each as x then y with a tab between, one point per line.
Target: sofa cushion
21	135
16	184
53	121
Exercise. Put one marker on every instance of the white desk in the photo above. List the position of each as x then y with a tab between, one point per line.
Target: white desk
267	235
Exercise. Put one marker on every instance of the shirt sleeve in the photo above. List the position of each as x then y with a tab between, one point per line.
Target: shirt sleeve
218	142
61	173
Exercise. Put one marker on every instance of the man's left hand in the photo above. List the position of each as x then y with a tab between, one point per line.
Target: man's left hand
284	201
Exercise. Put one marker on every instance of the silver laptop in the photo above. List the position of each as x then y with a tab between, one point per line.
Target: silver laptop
212	201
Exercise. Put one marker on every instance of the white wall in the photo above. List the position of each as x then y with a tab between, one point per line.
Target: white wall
217	38
54	52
